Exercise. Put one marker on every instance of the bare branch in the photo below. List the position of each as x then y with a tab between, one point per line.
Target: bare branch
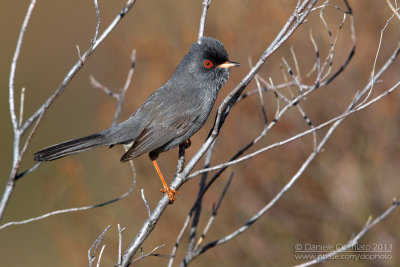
288	95
260	212
125	88
69	210
121	95
214	213
178	240
297	104
376	58
146	202
296	63
394	9
33	168
128	6
93	249
101	253
21	106
151	253
78	50
120	231
296	19
345	114
260	94
195	212
349	110
195	208
100	86
206	5
96	33
19	131
14	66
16	128
280	143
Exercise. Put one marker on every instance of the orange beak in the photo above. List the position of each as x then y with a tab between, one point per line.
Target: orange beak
228	64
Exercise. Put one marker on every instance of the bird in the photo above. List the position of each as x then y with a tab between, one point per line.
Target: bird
169	117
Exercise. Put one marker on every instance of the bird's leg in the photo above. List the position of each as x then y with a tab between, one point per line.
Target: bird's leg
170	192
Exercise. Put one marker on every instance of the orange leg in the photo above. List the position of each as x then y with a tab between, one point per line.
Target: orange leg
170	192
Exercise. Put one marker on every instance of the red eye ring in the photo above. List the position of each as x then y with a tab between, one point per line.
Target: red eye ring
207	64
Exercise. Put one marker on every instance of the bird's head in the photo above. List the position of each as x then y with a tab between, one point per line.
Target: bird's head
208	61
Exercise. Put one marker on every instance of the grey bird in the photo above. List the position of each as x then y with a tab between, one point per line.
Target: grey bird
170	116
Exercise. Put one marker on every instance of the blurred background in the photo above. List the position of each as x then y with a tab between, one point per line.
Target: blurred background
355	177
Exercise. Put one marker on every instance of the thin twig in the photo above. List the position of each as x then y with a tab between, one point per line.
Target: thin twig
14	64
378	74
101	253
283	142
93	249
100	86
311	157
151	253
120	231
78	50
21	107
120	100
38	115
68	210
18	132
195	208
375	60
31	169
178	240
206	4
125	88
292	24
260	94
195	212
214	213
72	72
223	111
146	202
394	9
297	82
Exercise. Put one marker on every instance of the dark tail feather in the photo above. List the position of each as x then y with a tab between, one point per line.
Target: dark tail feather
71	147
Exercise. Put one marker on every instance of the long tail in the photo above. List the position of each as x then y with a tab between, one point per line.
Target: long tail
72	147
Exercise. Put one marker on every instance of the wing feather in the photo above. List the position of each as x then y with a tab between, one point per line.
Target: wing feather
159	133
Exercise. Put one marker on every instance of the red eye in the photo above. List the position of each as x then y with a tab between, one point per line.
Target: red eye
207	63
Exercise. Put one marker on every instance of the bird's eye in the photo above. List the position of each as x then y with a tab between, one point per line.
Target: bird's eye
207	64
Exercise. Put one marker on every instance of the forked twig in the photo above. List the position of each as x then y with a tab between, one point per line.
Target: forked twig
93	249
35	119
151	253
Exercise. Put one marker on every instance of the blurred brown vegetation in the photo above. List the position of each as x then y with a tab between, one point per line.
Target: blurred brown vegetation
356	176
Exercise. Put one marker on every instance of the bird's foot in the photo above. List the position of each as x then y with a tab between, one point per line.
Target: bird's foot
170	192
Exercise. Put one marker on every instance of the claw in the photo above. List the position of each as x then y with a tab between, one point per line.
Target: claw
170	192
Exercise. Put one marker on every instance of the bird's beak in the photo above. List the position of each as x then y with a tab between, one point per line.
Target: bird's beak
228	65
